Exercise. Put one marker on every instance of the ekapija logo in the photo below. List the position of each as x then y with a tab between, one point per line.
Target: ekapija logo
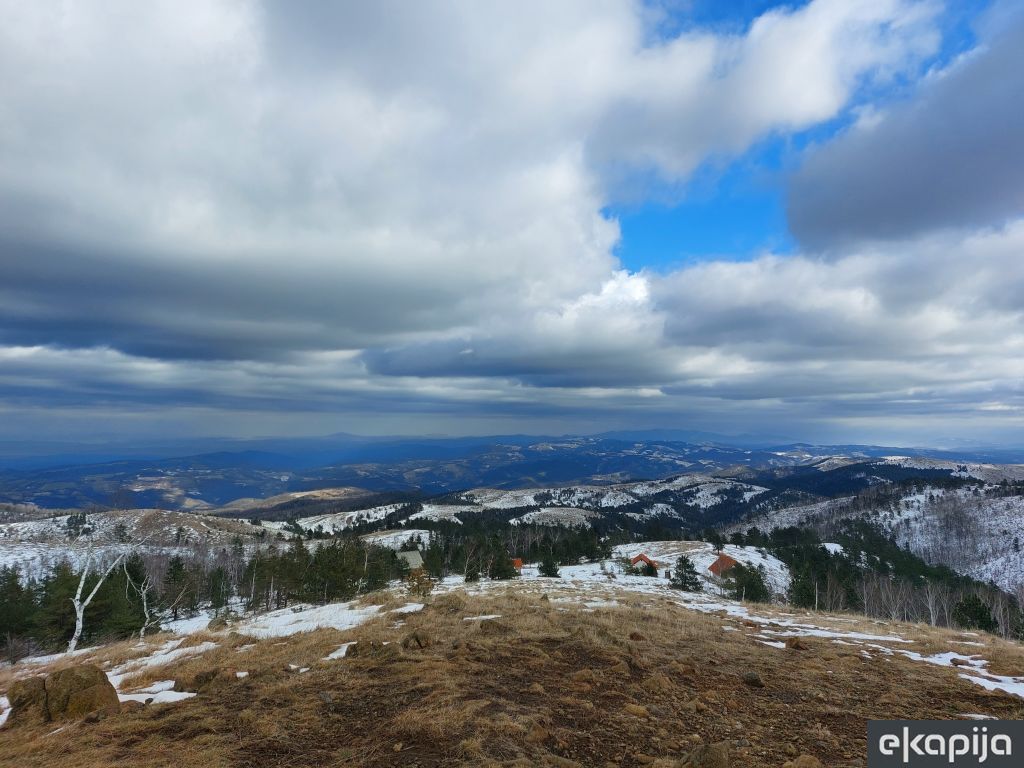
942	742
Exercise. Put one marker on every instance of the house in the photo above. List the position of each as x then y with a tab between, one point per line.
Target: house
642	558
722	564
517	563
413	559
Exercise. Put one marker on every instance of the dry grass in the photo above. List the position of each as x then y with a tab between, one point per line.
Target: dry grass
547	683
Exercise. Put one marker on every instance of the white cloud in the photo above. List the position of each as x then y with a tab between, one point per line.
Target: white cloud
242	206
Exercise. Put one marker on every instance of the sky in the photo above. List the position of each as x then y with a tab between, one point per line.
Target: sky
254	217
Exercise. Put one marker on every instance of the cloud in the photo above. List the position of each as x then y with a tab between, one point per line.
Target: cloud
947	158
246	213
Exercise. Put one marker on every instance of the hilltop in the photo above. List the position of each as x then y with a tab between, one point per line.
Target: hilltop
594	668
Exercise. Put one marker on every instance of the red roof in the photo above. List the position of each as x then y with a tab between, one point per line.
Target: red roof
517	563
722	564
642	558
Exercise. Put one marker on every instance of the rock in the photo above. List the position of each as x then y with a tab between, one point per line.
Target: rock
804	761
636	637
217	622
78	691
796	644
537	688
397	747
28	701
636	710
753	680
544	598
709	756
958	662
417	639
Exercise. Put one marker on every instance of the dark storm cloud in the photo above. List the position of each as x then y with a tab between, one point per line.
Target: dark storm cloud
950	157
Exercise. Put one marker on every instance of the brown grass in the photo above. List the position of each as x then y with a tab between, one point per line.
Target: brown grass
548	683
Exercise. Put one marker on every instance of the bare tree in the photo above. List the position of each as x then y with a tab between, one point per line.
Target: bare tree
81	603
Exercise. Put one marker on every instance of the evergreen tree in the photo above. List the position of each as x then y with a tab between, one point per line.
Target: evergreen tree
685	576
54	622
175	586
17	607
745	583
549	566
219	589
972	613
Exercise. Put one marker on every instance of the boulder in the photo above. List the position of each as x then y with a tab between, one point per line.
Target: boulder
78	691
28	701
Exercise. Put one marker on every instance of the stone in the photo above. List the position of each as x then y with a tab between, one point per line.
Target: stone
28	701
78	691
636	637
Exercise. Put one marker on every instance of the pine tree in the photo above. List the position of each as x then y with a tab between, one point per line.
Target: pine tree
745	583
972	613
549	566
684	576
54	622
175	586
17	607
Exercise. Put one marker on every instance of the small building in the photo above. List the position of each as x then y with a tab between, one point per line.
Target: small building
517	563
642	558
412	558
723	564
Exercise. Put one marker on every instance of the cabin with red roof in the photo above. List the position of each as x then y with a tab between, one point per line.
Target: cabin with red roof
517	563
722	564
642	558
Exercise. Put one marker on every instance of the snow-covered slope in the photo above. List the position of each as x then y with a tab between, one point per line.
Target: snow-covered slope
972	529
39	544
702	554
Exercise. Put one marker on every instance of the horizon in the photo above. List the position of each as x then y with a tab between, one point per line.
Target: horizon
243	221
